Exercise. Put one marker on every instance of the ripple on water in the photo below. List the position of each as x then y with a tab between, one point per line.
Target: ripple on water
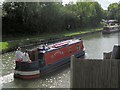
46	79
9	57
60	80
52	86
59	77
50	79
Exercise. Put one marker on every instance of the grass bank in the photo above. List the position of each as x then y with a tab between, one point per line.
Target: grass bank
11	43
7	45
77	32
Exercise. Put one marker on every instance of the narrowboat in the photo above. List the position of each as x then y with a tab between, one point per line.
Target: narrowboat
47	58
111	26
111	29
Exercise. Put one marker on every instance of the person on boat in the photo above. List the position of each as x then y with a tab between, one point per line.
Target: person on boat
43	46
19	54
26	57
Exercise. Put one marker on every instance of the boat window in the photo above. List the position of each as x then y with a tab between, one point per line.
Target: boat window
52	56
78	47
70	50
62	52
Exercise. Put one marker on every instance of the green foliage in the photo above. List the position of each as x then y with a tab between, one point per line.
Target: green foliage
3	45
113	11
22	18
7	45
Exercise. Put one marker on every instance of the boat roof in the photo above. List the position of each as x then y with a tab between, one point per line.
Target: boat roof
110	21
46	48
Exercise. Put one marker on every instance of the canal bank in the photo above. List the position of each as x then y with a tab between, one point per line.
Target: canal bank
11	45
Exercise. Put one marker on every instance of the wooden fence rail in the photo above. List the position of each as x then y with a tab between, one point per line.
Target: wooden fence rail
95	73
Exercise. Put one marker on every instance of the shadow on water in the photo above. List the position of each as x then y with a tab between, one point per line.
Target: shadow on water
111	34
57	71
106	35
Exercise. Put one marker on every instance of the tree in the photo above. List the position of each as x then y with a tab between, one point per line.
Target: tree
44	17
114	11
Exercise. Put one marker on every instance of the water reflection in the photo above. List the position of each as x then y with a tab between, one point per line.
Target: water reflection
95	46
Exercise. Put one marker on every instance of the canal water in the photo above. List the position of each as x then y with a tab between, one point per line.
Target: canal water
95	45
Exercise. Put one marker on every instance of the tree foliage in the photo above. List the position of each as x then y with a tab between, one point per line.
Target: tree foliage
45	17
113	12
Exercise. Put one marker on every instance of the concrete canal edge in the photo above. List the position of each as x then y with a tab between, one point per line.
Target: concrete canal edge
50	40
96	73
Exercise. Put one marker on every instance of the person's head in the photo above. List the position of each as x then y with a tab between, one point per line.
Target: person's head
18	48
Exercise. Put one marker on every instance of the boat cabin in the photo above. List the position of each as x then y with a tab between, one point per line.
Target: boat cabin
49	53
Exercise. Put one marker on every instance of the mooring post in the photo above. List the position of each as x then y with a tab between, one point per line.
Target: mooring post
72	67
116	55
107	55
116	52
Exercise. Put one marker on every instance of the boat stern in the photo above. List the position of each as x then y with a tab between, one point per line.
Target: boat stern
26	70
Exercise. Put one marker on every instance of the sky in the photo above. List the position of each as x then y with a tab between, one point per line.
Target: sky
104	3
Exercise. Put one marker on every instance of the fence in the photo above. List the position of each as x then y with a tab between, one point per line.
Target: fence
95	73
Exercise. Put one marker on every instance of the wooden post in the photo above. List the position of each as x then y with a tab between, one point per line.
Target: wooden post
72	68
116	52
118	64
107	55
